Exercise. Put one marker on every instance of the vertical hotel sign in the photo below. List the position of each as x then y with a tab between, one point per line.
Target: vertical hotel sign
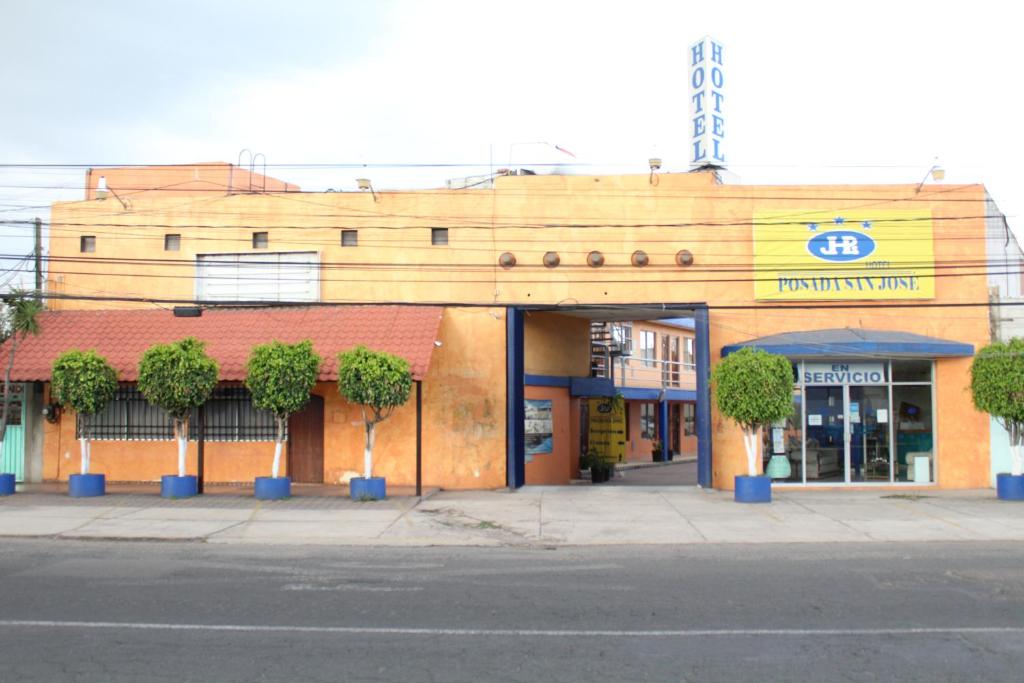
862	254
707	123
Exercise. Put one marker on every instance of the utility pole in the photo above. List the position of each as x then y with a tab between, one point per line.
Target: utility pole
39	259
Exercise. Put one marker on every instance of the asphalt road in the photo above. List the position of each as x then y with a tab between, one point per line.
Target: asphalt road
74	611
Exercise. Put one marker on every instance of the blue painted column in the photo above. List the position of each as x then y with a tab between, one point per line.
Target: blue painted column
663	425
703	408
515	410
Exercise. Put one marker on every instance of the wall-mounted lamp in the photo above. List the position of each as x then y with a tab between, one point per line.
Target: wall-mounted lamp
936	172
365	184
51	411
655	164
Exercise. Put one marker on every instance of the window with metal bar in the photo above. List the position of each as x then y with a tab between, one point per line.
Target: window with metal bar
230	416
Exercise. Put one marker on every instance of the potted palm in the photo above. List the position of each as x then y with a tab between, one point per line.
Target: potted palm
178	377
656	453
601	468
377	382
280	378
85	382
753	388
997	387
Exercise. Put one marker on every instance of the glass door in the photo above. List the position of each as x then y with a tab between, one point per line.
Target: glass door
868	417
825	434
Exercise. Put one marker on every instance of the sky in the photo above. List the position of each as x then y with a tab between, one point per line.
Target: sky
816	92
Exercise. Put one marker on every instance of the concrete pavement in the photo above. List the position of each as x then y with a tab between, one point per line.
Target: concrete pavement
532	516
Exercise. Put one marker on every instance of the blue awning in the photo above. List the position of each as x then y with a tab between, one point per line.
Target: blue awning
861	343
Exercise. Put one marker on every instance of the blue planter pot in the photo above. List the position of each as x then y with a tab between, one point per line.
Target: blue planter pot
6	484
273	488
87	485
362	488
173	486
753	489
1009	486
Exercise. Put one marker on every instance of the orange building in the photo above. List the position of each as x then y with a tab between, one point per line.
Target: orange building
878	293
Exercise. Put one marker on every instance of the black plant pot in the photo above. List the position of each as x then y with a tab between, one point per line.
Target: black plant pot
599	475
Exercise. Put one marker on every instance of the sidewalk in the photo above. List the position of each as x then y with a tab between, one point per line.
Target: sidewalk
533	516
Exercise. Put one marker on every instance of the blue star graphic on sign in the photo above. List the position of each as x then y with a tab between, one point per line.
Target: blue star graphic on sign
839	220
866	225
813	227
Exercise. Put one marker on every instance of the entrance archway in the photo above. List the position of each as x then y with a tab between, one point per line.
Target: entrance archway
547	387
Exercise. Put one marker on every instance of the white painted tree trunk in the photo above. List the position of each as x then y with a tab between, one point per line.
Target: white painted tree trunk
278	444
277	460
180	428
1017	449
84	446
750	439
371	436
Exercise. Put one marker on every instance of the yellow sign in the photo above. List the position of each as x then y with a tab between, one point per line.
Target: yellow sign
607	432
852	254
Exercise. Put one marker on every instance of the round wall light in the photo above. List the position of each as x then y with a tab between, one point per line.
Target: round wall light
595	259
684	258
507	259
551	259
640	258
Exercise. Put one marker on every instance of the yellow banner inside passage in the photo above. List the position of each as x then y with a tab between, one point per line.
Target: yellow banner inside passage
607	431
852	254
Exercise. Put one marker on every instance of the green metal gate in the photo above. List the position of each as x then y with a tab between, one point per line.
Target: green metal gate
12	460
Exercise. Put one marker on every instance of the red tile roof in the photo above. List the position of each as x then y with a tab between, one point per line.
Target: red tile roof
123	335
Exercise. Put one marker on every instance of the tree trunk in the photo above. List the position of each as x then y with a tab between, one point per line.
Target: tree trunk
278	443
750	435
368	452
7	389
181	430
84	443
1017	449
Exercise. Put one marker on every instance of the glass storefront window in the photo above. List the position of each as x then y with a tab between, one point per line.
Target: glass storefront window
911	371
785	438
862	420
914	439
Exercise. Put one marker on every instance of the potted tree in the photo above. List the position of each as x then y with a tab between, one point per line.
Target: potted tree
85	382
378	382
753	388
280	377
178	377
601	468
656	454
20	321
997	387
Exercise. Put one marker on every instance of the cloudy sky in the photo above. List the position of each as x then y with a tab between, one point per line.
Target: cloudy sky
816	92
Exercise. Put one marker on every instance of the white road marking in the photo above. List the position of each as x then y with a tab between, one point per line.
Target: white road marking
350	587
528	633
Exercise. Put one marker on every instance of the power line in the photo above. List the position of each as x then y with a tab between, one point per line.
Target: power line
709	268
553	308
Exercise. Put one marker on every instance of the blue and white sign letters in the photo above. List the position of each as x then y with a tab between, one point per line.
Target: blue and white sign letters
844	373
707	122
840	246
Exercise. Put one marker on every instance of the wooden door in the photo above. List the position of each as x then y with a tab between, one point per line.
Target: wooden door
306	443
